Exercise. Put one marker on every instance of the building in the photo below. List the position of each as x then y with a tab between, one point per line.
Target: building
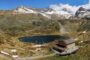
64	47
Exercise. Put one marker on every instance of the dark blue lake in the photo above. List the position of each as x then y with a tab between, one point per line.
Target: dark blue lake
41	39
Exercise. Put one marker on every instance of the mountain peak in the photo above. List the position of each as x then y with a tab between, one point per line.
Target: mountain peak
82	13
81	9
23	9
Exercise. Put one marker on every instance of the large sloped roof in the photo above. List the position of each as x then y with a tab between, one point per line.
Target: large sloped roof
69	41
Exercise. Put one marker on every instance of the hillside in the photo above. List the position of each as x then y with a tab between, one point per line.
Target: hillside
13	26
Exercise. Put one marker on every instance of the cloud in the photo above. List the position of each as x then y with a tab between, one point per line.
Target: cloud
68	8
87	6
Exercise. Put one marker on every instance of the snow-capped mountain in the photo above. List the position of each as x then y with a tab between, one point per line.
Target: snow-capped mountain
25	10
61	11
47	12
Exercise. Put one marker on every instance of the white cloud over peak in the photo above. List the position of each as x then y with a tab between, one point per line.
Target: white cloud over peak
68	8
87	6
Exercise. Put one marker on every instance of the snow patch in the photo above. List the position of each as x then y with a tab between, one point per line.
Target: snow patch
45	15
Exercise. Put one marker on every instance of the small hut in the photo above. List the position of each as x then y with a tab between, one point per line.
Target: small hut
64	47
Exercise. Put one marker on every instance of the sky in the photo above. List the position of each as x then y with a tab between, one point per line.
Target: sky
12	4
